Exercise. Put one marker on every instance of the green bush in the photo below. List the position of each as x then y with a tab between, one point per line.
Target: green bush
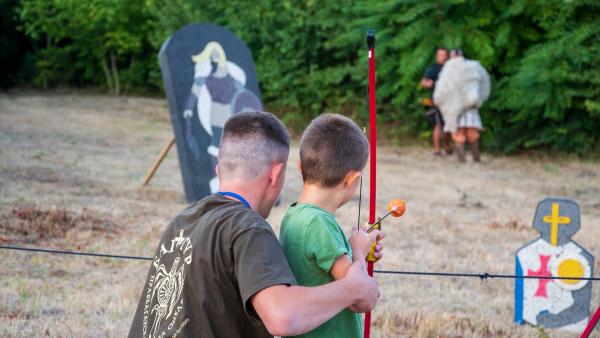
542	56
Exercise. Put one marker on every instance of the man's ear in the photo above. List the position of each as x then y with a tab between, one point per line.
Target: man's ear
351	177
217	170
276	170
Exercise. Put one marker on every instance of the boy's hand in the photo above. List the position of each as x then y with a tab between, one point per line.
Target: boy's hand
378	248
378	254
361	241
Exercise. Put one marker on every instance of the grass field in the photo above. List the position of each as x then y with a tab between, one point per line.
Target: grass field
71	168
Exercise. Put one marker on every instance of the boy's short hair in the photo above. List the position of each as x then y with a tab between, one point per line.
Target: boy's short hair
250	143
331	146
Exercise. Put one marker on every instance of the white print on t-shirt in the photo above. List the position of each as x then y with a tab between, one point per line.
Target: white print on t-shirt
165	285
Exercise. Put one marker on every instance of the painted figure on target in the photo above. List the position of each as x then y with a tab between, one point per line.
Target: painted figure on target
208	75
554	303
217	93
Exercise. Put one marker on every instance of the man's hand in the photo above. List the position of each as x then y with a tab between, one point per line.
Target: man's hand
364	287
361	241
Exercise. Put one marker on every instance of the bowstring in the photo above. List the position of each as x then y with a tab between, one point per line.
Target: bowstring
361	177
359	202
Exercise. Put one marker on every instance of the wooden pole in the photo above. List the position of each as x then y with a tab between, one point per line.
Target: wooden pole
161	157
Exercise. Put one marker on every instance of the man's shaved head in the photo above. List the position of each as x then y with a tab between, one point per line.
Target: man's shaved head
250	144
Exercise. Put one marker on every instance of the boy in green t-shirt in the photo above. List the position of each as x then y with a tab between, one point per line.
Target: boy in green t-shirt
333	153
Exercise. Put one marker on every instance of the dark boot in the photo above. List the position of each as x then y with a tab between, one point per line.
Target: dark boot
475	151
460	152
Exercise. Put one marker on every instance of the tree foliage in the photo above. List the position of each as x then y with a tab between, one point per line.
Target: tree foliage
87	42
310	56
542	57
14	47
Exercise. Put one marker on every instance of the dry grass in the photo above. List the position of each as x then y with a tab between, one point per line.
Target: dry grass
70	173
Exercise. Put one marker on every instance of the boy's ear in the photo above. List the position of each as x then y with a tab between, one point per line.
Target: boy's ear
217	170
300	167
351	177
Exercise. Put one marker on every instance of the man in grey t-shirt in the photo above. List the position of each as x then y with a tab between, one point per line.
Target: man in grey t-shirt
219	270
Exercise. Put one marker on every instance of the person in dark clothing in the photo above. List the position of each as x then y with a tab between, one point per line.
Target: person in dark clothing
219	270
433	115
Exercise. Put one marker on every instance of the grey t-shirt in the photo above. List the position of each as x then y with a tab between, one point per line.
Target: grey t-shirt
211	260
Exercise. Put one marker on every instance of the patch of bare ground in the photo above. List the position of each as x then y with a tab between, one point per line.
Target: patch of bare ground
511	224
71	167
32	224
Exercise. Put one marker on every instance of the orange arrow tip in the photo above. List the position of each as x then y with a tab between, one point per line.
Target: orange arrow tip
397	207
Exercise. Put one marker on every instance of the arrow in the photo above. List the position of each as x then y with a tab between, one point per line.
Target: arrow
395	208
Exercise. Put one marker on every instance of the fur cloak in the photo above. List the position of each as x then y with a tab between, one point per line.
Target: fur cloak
463	84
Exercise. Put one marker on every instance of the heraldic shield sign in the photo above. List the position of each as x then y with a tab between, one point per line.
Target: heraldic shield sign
554	303
208	75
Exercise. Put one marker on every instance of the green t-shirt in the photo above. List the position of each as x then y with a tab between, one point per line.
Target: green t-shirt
312	241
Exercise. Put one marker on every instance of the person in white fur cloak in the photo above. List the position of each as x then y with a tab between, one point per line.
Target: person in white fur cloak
462	88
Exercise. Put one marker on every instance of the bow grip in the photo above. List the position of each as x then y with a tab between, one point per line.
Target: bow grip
371	255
